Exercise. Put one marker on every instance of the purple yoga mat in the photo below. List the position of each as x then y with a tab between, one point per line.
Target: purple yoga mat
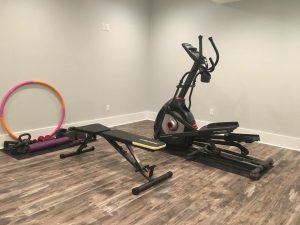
48	144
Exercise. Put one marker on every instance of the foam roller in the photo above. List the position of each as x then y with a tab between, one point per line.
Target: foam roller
48	144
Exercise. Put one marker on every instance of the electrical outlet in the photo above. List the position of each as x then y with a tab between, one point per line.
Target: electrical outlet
107	107
211	111
105	26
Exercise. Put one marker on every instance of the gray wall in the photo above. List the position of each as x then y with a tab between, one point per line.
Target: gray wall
62	42
257	80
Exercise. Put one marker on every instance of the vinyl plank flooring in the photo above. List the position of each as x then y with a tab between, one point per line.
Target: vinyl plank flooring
95	188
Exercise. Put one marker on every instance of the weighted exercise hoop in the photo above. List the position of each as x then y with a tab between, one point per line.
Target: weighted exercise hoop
36	82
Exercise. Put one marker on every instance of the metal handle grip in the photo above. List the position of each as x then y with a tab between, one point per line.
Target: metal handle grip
200	37
216	50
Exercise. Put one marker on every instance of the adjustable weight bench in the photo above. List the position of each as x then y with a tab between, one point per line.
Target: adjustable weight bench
114	137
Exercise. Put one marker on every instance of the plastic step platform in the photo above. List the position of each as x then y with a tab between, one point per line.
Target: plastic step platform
247	138
223	125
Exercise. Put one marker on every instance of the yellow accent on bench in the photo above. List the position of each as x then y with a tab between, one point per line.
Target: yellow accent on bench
150	147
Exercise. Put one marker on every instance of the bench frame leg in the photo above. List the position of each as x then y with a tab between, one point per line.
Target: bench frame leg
83	148
145	170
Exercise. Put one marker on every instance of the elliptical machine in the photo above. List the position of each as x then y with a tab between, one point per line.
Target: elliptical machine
176	126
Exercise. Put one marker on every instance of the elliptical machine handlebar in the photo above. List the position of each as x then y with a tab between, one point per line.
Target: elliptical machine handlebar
200	37
197	54
213	63
200	67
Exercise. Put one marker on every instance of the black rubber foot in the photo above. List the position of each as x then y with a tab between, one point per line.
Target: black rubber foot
256	173
151	183
255	176
270	162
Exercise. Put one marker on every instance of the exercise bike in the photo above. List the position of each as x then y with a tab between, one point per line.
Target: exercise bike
176	126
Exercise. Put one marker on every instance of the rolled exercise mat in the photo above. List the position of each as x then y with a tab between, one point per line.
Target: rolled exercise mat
48	144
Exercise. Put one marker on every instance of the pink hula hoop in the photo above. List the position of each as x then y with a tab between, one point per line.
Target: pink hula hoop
14	88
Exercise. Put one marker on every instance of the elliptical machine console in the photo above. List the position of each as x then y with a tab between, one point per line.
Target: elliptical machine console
176	126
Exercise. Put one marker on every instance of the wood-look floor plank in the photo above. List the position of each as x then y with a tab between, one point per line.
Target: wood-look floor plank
95	188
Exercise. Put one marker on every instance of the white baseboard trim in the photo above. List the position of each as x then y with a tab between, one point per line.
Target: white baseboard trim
268	138
151	115
107	121
278	140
